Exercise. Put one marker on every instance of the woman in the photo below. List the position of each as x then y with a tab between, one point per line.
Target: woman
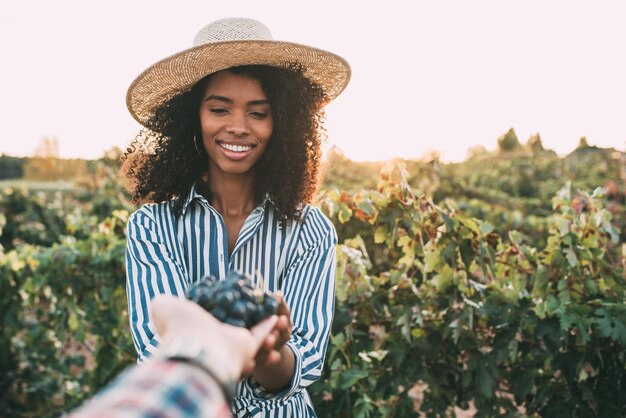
228	165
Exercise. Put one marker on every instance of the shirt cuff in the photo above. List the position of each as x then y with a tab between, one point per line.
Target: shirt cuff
259	391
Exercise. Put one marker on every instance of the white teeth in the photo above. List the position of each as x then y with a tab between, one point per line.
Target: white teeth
236	148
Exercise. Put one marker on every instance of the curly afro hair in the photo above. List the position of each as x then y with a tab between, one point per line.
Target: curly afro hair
162	162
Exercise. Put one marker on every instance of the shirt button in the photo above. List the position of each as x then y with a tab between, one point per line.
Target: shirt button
221	258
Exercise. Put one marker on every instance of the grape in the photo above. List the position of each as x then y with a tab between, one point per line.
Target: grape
234	300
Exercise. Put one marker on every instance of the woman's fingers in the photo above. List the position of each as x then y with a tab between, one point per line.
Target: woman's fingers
284	325
268	357
283	308
283	330
272	357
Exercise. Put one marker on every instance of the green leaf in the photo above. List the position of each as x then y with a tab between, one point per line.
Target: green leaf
485	383
105	293
567	321
612	231
515	237
522	384
365	357
485	227
351	376
338	339
598	192
404	322
363	407
380	235
367	207
563	225
378	354
448	221
571	257
73	322
540	281
609	326
432	258
619	331
443	279
344	213
404	240
469	222
604	323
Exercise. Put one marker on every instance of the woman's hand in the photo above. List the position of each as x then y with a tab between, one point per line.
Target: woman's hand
283	327
272	352
275	361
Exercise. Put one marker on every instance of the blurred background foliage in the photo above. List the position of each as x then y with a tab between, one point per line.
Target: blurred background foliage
491	287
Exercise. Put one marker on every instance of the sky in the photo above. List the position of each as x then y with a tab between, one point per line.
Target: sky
427	76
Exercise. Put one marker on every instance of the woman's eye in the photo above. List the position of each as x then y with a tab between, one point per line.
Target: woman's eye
259	115
219	111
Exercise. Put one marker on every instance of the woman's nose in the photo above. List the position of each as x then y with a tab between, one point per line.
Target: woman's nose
238	126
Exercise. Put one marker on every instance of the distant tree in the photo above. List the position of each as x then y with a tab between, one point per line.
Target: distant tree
476	151
11	167
341	172
534	144
46	164
48	147
508	142
431	157
583	143
112	155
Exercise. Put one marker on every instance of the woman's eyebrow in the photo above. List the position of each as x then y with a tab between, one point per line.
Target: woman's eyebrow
229	100
220	98
258	102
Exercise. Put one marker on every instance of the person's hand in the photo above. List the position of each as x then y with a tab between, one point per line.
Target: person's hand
233	348
271	351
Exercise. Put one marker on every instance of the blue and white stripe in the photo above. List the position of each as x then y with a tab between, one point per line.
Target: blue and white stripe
166	253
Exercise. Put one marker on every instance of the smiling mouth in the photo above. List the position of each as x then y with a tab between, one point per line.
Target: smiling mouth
235	148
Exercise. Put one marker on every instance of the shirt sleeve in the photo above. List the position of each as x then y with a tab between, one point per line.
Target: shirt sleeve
309	290
158	389
151	269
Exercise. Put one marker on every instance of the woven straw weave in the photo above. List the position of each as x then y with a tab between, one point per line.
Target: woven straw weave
228	43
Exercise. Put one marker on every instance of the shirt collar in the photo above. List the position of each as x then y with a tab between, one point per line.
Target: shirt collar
194	194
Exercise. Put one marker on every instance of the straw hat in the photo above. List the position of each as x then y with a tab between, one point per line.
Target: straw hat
229	43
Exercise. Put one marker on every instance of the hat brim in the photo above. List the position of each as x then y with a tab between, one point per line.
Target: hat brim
178	73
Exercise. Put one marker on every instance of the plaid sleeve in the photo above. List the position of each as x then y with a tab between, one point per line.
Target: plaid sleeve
158	389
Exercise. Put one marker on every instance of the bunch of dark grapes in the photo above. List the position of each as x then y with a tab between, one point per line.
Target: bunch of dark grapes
234	300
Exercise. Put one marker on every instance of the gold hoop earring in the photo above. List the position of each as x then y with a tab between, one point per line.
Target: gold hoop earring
195	144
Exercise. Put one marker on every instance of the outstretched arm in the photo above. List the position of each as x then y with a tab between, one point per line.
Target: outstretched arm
167	388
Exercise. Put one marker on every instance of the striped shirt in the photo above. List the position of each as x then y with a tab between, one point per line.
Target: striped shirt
166	253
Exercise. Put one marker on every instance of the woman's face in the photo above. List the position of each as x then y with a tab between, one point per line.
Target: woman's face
236	122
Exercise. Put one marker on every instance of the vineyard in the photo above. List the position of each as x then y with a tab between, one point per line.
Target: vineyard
496	285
